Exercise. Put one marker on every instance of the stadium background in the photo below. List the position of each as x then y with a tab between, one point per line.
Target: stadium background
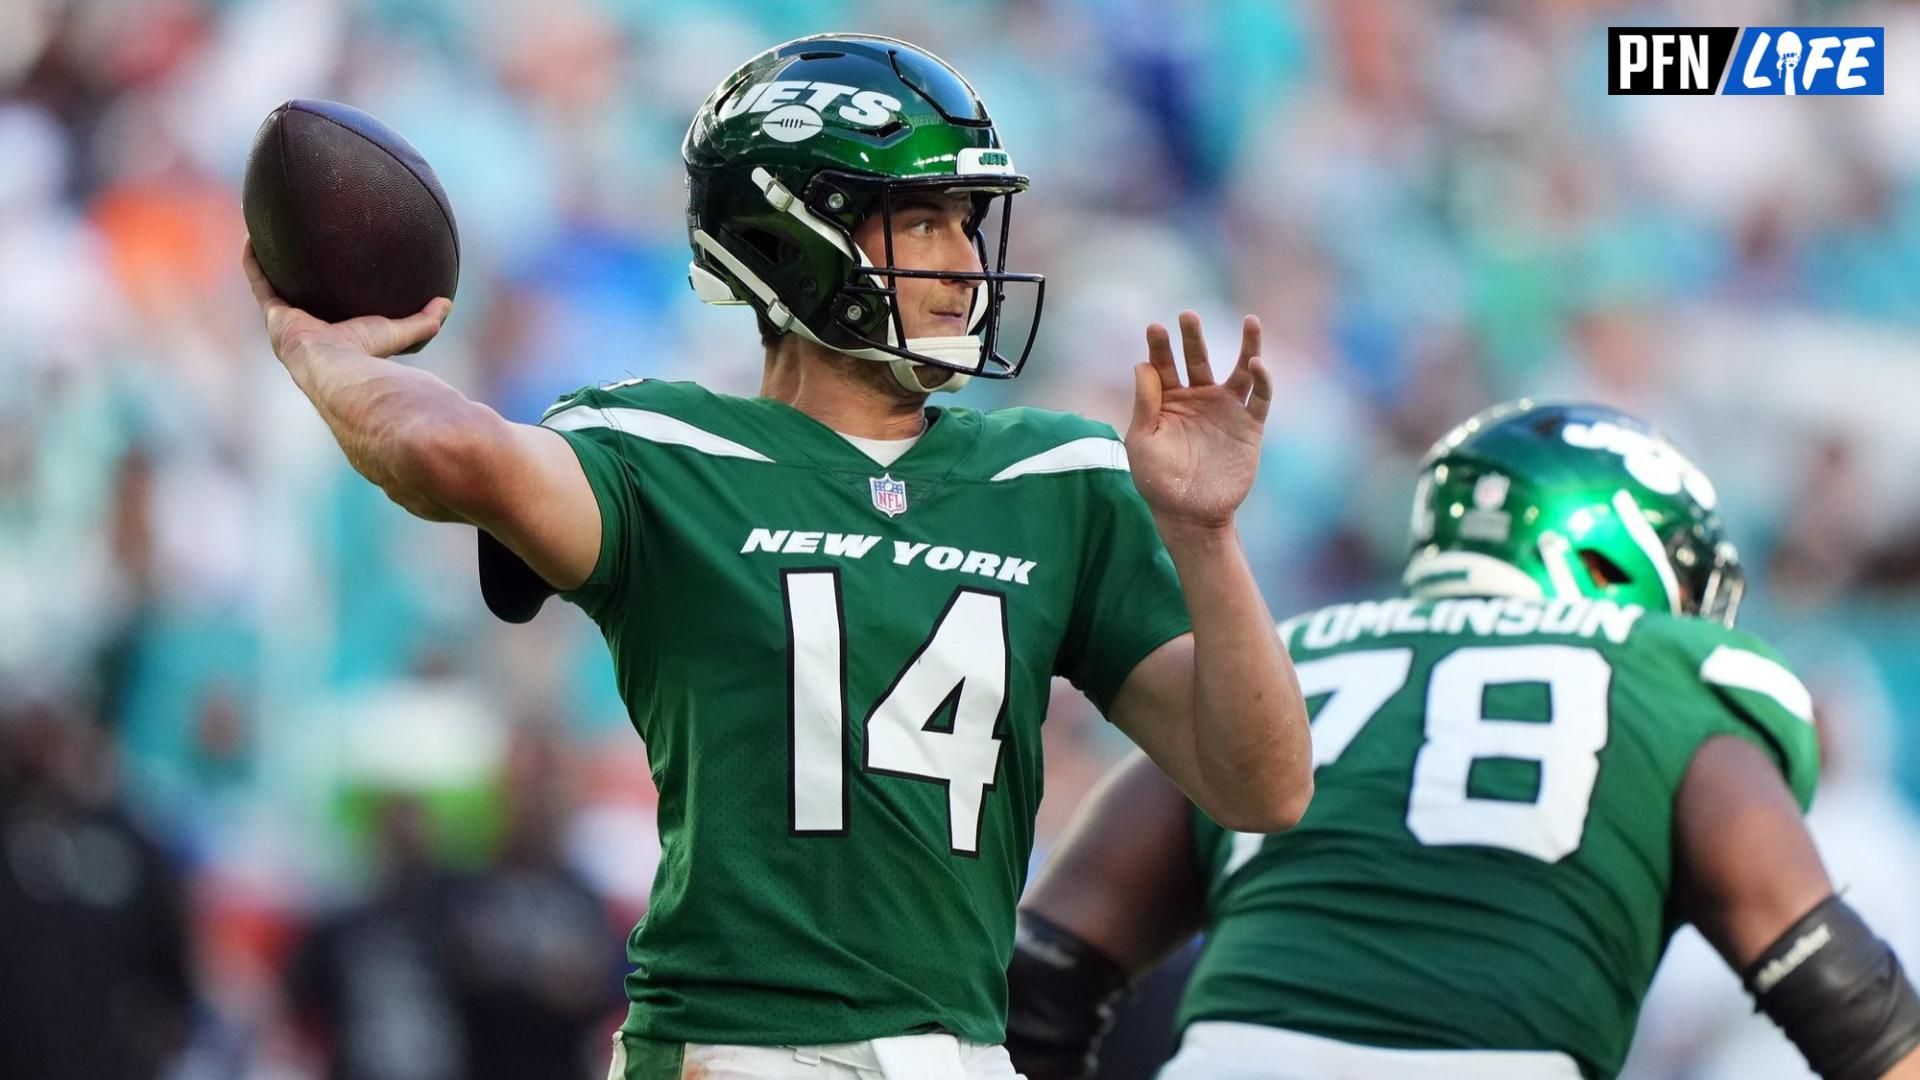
215	636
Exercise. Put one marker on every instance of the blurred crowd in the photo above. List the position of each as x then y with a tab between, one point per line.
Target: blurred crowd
278	799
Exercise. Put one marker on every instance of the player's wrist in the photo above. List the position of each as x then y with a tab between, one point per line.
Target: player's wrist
301	349
1197	533
311	351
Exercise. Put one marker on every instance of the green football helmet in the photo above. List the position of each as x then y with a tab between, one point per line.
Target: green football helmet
800	144
1566	501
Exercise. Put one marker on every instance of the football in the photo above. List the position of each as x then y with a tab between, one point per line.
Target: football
346	217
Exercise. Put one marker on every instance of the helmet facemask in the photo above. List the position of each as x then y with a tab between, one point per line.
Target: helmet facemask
1712	582
874	289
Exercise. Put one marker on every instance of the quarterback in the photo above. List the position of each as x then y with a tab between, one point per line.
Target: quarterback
834	612
1533	768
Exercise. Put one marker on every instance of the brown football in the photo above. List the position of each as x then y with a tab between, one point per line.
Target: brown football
346	217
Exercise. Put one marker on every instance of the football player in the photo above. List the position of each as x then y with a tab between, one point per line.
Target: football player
834	612
1532	768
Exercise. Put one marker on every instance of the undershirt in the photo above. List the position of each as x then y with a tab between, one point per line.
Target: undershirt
884	452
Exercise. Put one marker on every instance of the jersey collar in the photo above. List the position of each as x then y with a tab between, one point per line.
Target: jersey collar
949	436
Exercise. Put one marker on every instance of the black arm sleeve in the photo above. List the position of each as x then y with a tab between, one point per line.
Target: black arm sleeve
1839	993
1060	1000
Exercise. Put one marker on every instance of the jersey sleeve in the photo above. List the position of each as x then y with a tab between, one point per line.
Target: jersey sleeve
1762	700
593	431
1727	682
1128	602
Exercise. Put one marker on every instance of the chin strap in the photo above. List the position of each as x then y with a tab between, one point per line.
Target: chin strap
907	373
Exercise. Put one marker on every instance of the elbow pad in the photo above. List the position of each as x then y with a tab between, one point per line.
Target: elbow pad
1060	993
1839	993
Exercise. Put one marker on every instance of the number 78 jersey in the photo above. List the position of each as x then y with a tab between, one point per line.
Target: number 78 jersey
1487	859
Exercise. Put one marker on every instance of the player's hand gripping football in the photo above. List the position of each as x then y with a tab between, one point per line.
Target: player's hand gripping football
1194	448
289	328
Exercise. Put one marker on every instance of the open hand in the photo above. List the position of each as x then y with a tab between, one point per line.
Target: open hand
1194	448
290	329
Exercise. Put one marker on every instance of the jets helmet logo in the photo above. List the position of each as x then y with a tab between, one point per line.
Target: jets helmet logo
1648	458
793	109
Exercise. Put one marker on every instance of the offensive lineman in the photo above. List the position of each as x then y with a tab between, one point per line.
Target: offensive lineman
834	617
1531	771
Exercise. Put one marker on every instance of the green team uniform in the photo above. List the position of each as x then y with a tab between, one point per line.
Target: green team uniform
840	671
1487	860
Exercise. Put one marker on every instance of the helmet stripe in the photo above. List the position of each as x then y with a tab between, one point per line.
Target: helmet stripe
776	312
1557	556
1641	530
787	203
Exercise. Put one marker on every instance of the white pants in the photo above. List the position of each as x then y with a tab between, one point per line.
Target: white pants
900	1057
1218	1050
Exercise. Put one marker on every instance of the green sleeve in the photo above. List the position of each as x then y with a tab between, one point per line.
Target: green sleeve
1761	700
1128	602
604	452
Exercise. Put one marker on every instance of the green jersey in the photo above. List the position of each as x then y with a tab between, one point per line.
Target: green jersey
840	671
1487	860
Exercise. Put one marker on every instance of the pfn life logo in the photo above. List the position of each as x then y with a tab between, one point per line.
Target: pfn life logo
1788	61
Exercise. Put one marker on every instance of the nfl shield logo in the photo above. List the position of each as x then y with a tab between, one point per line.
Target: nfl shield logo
889	495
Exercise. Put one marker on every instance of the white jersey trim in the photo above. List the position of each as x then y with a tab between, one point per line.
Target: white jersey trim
1744	670
653	427
1092	452
1229	1050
